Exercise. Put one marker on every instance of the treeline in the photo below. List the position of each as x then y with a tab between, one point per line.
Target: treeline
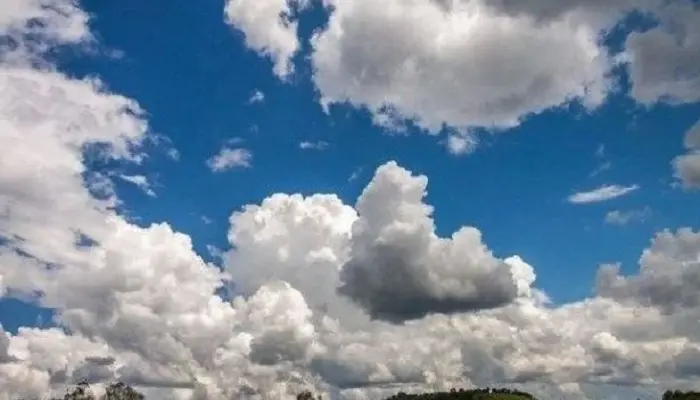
122	391
463	394
678	395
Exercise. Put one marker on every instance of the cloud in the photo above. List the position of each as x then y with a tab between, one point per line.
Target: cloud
601	168
141	182
229	158
320	145
664	62
399	269
687	167
462	143
382	59
669	274
622	218
269	28
256	97
603	193
434	74
34	27
139	304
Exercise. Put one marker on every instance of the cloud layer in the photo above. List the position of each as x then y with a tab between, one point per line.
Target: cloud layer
314	280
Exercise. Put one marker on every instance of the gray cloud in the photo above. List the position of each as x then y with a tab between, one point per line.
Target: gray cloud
687	166
399	269
669	276
664	62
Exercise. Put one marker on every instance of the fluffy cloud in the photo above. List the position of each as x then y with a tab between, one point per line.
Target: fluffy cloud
400	269
687	166
669	277
435	62
137	303
269	28
665	60
603	193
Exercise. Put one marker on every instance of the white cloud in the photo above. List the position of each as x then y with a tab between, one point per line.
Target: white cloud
437	64
141	182
269	28
622	218
49	22
434	61
229	158
687	167
462	143
256	97
138	304
319	145
603	193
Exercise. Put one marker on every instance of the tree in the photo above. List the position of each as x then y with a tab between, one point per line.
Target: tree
121	391
114	391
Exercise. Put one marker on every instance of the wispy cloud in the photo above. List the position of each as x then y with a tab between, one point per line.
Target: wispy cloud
355	174
141	182
603	193
256	97
460	143
602	167
600	151
622	218
320	145
229	158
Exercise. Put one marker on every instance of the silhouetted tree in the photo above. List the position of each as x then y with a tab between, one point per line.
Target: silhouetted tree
114	391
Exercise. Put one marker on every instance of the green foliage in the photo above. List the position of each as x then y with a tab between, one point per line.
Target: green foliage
462	394
678	395
307	396
114	391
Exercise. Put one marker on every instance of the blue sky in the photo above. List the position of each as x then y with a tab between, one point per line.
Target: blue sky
196	83
205	84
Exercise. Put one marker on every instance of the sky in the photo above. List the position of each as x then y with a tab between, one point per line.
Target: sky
249	198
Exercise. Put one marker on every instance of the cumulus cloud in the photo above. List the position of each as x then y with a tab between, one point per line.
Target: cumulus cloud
434	62
269	27
687	166
669	275
603	193
228	158
137	303
664	61
400	269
